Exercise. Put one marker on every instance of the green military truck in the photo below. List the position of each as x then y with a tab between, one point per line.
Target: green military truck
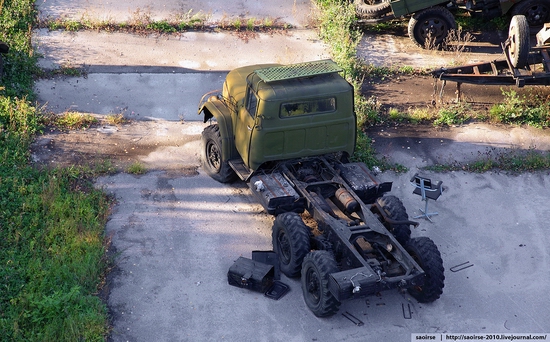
288	130
431	20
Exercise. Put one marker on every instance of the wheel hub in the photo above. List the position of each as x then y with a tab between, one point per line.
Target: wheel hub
214	157
433	28
284	247
313	285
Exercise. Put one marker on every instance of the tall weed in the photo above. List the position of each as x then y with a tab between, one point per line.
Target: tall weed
533	110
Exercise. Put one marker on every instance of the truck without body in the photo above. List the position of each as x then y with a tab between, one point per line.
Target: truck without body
289	130
431	20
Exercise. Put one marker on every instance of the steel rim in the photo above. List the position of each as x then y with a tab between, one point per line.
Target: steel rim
213	156
284	247
313	285
513	38
433	28
536	14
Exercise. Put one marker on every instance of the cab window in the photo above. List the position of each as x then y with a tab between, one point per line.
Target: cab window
308	107
251	102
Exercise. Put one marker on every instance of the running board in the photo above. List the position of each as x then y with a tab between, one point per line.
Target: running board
240	169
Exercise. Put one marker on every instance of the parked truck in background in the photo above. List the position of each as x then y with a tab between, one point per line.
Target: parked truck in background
431	20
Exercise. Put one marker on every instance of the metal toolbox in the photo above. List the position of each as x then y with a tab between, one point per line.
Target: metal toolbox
250	274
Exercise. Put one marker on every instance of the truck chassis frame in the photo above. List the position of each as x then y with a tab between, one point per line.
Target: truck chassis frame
354	236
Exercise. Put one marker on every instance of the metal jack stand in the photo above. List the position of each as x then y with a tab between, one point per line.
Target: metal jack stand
428	190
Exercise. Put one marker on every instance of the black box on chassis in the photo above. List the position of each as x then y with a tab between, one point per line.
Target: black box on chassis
359	178
276	194
251	274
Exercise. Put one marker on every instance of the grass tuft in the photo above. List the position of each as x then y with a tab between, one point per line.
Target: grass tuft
70	120
515	161
136	168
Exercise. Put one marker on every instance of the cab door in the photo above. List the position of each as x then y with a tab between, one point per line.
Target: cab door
245	124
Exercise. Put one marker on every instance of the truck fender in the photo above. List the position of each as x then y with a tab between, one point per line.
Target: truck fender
216	109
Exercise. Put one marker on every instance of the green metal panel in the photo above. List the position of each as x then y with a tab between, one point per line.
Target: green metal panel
287	72
404	7
279	138
222	114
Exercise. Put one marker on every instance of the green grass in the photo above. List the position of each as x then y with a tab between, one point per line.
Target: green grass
455	114
515	161
477	23
142	22
136	168
52	249
116	119
531	109
71	120
162	26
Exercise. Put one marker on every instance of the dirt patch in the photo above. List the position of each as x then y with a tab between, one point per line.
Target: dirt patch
156	145
407	92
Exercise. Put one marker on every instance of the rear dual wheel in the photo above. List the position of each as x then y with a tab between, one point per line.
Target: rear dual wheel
291	242
316	270
424	251
394	208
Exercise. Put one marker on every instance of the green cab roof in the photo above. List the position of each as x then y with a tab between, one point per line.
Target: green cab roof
276	82
287	72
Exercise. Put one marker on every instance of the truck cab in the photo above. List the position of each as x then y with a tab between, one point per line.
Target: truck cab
269	113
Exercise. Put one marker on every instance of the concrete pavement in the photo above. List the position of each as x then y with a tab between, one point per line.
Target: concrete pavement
176	236
156	76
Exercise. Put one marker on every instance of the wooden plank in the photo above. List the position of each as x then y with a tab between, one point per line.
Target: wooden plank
494	68
545	60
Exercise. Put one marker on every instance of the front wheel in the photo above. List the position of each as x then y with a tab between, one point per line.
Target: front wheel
212	160
291	242
424	251
316	269
430	27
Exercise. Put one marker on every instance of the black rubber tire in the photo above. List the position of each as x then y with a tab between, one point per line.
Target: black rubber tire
317	267
368	11
291	242
211	156
4	48
424	251
537	12
395	209
429	27
518	36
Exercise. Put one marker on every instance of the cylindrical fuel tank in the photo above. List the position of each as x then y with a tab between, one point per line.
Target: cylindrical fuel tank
347	200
